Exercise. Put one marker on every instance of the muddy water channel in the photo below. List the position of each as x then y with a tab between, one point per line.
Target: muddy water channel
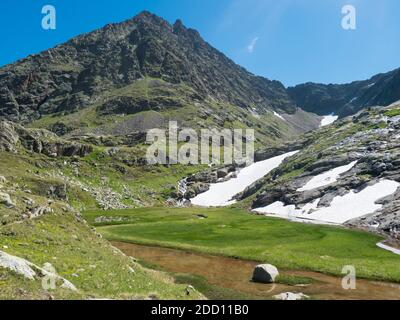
235	274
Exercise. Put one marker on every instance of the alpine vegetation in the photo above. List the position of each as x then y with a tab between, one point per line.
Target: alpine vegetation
138	162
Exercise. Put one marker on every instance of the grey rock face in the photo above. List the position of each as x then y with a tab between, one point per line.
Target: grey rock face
265	273
39	141
8	137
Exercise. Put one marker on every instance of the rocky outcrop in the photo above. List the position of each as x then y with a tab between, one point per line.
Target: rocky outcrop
265	273
200	182
8	137
31	271
13	136
37	212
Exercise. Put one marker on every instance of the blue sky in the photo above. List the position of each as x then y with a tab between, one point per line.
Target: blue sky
293	41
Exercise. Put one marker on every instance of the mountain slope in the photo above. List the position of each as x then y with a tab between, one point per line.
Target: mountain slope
131	68
44	182
347	99
367	144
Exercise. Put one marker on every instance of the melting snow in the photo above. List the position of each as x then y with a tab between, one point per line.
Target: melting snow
289	211
342	208
327	178
221	194
327	120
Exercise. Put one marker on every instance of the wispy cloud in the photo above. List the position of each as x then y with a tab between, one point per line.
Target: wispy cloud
252	45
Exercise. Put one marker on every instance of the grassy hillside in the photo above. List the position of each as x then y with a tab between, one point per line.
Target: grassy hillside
152	103
96	268
62	238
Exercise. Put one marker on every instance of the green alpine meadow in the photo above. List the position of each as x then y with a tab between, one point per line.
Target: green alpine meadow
139	162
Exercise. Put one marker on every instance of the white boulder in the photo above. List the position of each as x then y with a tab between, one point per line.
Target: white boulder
265	273
6	200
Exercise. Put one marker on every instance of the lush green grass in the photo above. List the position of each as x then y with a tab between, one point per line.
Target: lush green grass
392	113
235	233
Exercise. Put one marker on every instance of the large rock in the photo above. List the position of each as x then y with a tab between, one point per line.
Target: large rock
265	273
8	137
5	199
31	271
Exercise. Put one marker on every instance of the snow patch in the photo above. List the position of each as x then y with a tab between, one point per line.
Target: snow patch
327	120
370	85
221	194
327	178
279	116
342	208
388	248
278	208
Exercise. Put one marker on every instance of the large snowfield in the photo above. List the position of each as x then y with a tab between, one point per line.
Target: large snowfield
221	194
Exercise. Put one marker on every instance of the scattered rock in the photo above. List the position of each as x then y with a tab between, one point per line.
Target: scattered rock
222	173
291	296
28	201
58	192
104	219
37	212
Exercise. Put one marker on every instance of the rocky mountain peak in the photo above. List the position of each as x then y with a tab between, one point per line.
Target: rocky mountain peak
87	69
